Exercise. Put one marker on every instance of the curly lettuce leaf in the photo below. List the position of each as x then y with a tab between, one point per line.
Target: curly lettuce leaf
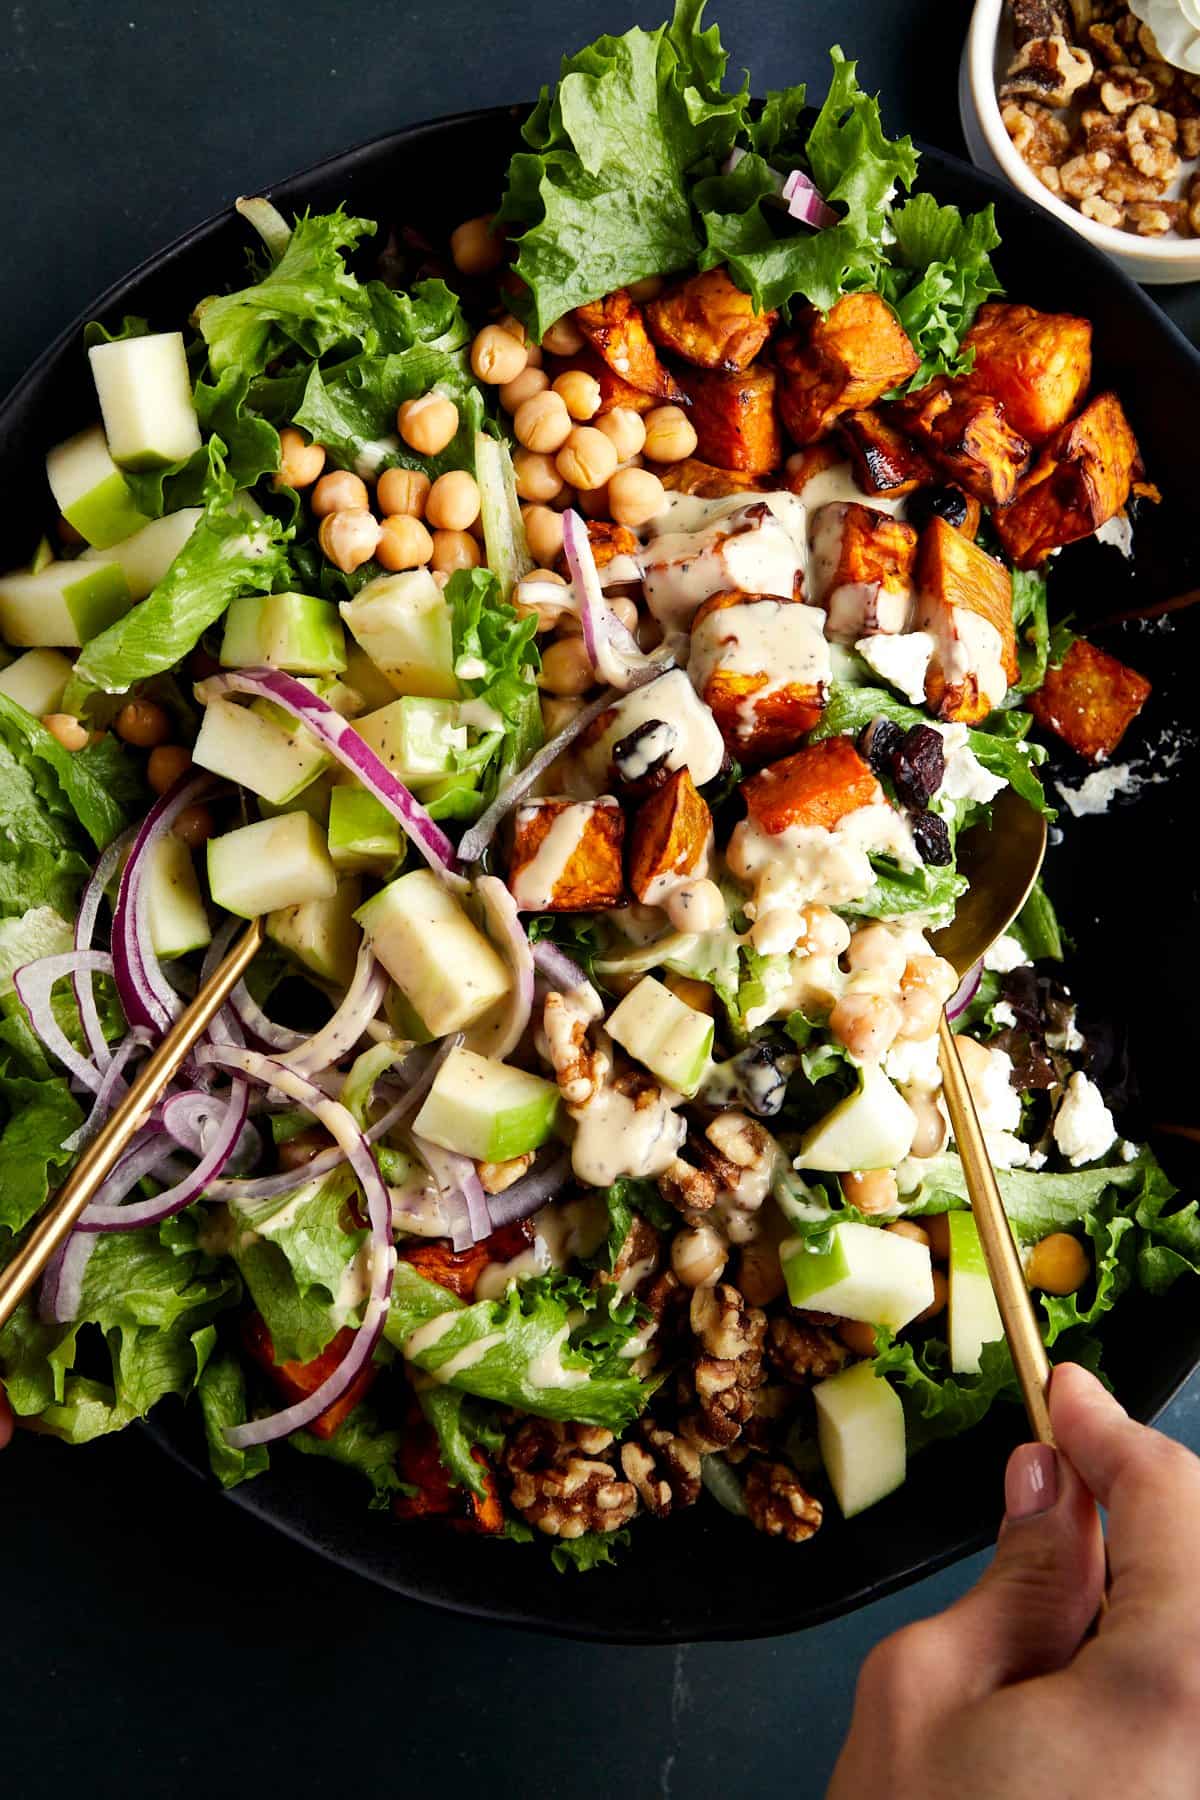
854	164
221	1391
1036	927
364	1444
594	1550
40	1115
625	1199
939	274
496	661
1032	626
462	1425
294	1260
98	784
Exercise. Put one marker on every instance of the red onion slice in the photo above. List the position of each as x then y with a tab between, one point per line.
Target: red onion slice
342	1128
342	741
805	201
146	995
501	1029
558	968
544	1181
85	929
965	992
111	1090
463	1199
613	651
35	982
101	1215
339	1034
62	1284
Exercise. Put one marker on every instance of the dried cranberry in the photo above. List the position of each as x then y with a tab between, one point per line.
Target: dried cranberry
643	754
878	743
919	766
932	838
948	503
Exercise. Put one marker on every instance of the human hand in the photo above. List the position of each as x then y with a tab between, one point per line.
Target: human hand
1005	1692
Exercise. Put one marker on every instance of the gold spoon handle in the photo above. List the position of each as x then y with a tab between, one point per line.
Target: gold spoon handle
106	1148
995	1234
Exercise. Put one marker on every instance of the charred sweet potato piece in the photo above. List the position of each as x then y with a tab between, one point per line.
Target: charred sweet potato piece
861	569
615	327
420	1464
670	839
1079	482
296	1380
885	460
459	1270
838	361
759	711
816	786
969	439
958	584
614	391
734	419
608	541
566	855
1090	701
706	481
1037	365
804	466
710	322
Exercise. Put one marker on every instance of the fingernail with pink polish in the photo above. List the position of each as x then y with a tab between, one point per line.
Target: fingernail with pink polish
1030	1481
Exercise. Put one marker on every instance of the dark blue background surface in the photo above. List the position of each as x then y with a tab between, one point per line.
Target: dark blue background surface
155	1640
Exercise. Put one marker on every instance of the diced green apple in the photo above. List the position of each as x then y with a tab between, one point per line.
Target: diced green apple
148	554
36	681
403	623
285	631
437	957
314	799
860	1431
175	912
870	1129
90	491
370	683
243	745
363	834
974	1317
273	863
145	391
322	934
482	1108
416	738
876	1276
43	556
63	605
658	1029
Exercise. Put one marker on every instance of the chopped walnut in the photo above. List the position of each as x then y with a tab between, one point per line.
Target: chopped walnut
1102	211
1048	69
774	1406
1102	37
803	1351
1151	135
1193	206
1101	131
637	1259
724	1324
1189	136
1039	135
1039	19
559	1483
1124	87
1084	175
717	1395
494	1177
662	1467
1152	218
777	1503
579	1067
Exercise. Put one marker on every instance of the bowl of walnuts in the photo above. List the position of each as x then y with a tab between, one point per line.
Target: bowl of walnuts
1092	108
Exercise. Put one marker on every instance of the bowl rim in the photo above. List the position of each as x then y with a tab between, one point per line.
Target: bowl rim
980	55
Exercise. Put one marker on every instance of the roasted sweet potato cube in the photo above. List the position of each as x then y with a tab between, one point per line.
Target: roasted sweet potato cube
1090	701
670	839
964	598
885	460
419	1463
860	569
840	360
297	1380
816	786
969	439
805	465
1080	481
614	391
459	1270
615	327
762	668
710	322
706	481
609	541
734	419
1038	365
566	855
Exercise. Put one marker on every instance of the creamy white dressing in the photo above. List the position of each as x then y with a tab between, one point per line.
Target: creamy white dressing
965	645
467	1357
901	659
480	715
546	1368
534	882
681	879
699	746
355	1282
534	1261
614	1136
636	1273
830	486
855	609
778	642
425	1336
965	777
808	863
373	454
748	552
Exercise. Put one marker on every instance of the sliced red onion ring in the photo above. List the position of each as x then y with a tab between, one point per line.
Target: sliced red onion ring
149	1152
613	651
500	1030
241	1010
62	1284
463	1199
558	968
85	929
195	1118
341	1126
965	992
342	741
546	1179
102	1215
111	1089
146	995
339	1034
805	201
35	982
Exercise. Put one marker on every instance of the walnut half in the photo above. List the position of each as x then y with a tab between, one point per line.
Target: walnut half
778	1504
559	1482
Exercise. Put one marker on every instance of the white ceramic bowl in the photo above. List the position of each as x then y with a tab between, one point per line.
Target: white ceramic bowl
984	58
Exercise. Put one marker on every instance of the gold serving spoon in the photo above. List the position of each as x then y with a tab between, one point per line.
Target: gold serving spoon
105	1149
1001	862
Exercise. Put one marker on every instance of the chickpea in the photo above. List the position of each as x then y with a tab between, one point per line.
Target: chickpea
626	429
648	289
941	1294
557	712
696	906
857	1335
497	356
824	933
932	1130
349	539
875	950
300	463
453	502
698	1256
1059	1264
404	543
66	729
523	387
760	1273
515	328
543	533
929	974
937	1230
696	994
566	497
588	459
909	1228
402	491
166	764
920	1011
670	436
625	611
542	423
194	825
534	354
475	247
635	495
563	338
566	668
143	723
427	424
871	1190
453	550
866	1024
580	393
304	1147
536	475
339	491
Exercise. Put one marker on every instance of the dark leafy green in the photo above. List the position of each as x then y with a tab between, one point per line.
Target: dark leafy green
221	1391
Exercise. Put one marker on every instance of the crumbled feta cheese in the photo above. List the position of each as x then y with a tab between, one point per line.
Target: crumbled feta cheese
1005	955
1003	1014
1069	1039
901	659
1126	1151
1083	1125
911	1064
1007	1151
965	777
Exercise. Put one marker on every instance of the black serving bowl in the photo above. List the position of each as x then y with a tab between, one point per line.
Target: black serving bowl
1125	884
